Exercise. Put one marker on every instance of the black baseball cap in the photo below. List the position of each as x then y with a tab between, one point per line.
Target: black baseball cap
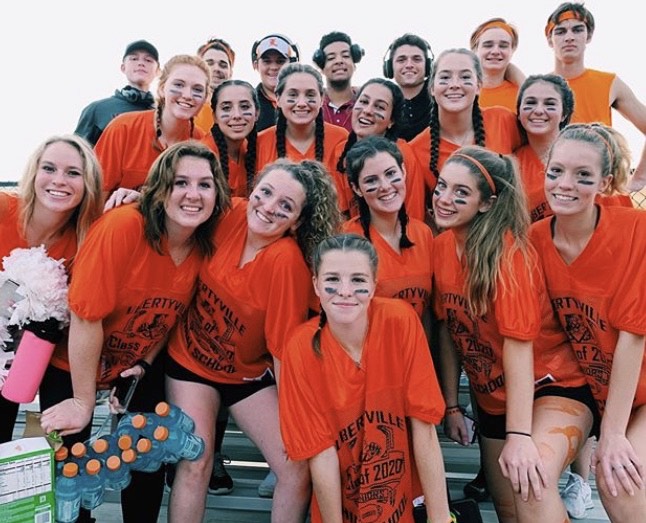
142	45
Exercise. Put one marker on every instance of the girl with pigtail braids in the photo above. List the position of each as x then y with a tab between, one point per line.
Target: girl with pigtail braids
235	113
344	374
132	141
456	118
377	175
533	405
378	112
300	132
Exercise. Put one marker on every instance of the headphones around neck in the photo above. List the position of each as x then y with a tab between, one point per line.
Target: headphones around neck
295	56
356	52
137	96
388	59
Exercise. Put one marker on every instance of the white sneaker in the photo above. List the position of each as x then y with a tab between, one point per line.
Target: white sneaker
577	496
267	486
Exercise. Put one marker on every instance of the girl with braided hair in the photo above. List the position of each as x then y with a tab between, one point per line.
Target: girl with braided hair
360	378
377	175
534	407
234	134
378	112
251	293
132	141
456	118
300	132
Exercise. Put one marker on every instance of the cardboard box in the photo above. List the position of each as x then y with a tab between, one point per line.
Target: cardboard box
26	481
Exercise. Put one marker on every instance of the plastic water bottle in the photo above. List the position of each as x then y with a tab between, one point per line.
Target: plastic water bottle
135	426
79	456
60	457
68	494
180	444
172	415
128	457
150	455
92	485
99	449
117	473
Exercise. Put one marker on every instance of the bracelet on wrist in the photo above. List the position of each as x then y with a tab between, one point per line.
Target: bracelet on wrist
453	519
144	365
454	409
518	433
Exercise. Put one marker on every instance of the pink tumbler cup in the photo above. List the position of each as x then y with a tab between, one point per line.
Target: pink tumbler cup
28	368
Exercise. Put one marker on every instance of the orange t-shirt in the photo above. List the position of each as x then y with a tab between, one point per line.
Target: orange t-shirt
361	410
415	196
127	149
504	95
601	292
237	169
266	147
241	316
11	236
501	136
407	276
592	97
520	311
138	293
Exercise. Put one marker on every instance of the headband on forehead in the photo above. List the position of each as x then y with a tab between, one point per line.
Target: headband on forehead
218	44
497	24
480	167
566	15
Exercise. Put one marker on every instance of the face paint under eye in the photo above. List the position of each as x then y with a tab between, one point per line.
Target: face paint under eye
396	180
436	192
551	175
361	291
460	201
330	290
585	182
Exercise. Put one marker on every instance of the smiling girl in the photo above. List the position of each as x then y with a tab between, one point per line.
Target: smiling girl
370	411
59	198
300	132
593	258
132	141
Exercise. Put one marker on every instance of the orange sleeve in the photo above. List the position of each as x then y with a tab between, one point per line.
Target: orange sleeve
102	262
517	306
266	148
421	146
501	130
288	300
109	151
299	398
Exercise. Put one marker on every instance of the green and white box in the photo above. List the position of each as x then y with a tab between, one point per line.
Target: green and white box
26	481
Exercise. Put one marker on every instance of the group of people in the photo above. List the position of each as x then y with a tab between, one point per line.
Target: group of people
322	261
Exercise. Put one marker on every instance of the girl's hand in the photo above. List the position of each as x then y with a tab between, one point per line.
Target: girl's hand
615	459
455	428
521	463
120	197
67	417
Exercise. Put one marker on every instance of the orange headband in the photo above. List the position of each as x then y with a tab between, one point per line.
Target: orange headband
501	25
220	45
480	167
567	15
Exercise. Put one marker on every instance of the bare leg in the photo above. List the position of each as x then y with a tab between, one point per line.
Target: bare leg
257	416
560	427
188	495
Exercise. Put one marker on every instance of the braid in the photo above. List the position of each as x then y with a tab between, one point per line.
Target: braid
319	134
478	125
316	339
364	215
404	241
352	139
158	120
435	139
223	149
281	128
250	159
191	123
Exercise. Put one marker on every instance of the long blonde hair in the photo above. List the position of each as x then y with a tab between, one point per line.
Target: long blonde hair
91	206
485	250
